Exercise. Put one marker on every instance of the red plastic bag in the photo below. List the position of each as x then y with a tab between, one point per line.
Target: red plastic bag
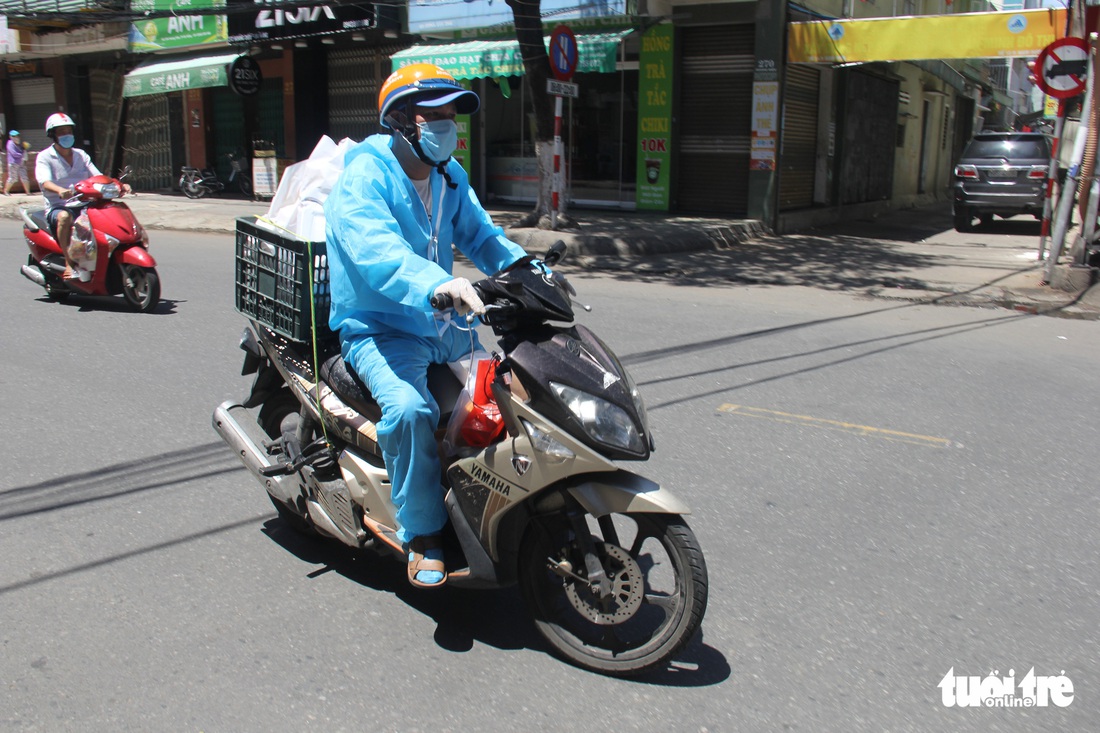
483	422
476	421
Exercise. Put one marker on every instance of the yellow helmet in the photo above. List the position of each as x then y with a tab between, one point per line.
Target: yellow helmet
425	85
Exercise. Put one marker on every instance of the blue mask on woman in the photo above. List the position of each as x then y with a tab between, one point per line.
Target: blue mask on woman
66	141
438	139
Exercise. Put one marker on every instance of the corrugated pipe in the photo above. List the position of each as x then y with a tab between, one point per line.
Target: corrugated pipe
1088	163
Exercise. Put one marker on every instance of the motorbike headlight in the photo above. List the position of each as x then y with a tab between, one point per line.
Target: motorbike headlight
604	422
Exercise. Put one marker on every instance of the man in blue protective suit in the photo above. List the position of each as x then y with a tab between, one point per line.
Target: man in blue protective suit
391	218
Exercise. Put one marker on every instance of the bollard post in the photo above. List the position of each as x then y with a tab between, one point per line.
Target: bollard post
1052	175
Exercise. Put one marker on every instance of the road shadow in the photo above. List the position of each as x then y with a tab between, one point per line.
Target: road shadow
1017	225
839	263
126	479
110	304
497	618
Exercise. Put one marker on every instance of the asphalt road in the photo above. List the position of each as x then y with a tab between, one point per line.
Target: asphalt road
884	492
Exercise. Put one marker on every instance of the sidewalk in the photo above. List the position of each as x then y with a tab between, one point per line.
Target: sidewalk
910	254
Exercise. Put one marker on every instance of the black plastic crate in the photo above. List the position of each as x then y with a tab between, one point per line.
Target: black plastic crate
272	281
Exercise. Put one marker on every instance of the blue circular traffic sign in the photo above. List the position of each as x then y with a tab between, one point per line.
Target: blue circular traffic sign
563	53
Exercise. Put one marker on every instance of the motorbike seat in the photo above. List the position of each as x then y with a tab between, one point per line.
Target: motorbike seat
38	216
347	385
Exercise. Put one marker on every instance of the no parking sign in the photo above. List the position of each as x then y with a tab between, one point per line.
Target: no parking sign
1061	68
563	53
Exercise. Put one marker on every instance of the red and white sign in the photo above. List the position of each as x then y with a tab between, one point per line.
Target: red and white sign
563	53
1062	67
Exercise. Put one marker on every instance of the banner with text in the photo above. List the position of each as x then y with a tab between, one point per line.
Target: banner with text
1004	34
180	30
655	64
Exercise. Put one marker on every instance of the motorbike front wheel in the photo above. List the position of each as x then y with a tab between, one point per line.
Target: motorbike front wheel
140	287
191	185
658	589
244	182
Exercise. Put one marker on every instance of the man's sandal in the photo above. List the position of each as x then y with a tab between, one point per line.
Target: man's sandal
426	568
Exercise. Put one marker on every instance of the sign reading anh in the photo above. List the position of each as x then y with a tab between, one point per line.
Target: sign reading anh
1062	67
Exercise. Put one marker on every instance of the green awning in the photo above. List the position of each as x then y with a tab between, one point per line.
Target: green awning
159	75
596	53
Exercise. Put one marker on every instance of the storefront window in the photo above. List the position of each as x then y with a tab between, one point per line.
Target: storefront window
599	136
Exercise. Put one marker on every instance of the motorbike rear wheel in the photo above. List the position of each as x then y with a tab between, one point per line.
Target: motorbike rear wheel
272	413
140	287
191	185
658	583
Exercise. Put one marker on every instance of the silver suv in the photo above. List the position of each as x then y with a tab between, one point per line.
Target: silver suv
1002	173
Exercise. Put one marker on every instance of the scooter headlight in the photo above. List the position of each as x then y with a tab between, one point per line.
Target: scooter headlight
108	190
603	421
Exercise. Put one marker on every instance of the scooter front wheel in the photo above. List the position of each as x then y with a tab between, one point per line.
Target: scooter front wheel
655	599
140	287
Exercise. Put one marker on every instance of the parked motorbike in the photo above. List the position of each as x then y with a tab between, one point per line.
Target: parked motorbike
196	183
612	575
108	241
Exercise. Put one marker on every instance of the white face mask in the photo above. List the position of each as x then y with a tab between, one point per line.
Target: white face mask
438	139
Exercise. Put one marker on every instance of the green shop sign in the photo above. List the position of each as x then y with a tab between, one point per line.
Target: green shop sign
157	76
180	30
654	119
597	53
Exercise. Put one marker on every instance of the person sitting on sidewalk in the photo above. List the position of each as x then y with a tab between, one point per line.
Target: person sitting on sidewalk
391	218
17	168
58	168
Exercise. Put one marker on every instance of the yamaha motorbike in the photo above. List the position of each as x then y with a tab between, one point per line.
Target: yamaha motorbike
107	242
196	183
612	575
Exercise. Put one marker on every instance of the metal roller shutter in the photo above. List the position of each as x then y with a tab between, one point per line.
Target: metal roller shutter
715	119
147	144
798	154
34	101
354	79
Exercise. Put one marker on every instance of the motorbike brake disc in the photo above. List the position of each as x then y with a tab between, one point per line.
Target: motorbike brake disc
627	589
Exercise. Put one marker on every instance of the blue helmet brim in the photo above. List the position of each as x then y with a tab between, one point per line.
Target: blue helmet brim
465	101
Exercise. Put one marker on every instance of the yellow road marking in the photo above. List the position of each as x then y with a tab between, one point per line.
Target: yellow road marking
818	422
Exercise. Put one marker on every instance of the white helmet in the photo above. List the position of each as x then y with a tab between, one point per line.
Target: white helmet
58	119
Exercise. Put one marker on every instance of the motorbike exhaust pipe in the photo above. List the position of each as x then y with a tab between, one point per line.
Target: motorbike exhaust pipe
246	438
34	275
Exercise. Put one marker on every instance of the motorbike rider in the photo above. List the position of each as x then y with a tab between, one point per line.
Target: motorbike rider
391	218
57	169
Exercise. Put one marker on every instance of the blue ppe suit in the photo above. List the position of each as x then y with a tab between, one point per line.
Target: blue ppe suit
386	258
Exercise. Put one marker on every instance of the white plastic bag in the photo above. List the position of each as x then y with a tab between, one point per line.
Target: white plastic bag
82	247
298	204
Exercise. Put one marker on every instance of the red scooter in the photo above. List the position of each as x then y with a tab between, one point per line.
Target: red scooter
107	242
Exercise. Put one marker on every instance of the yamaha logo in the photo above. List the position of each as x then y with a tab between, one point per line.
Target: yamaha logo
521	464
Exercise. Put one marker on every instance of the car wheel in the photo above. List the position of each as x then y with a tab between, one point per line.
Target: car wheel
962	219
